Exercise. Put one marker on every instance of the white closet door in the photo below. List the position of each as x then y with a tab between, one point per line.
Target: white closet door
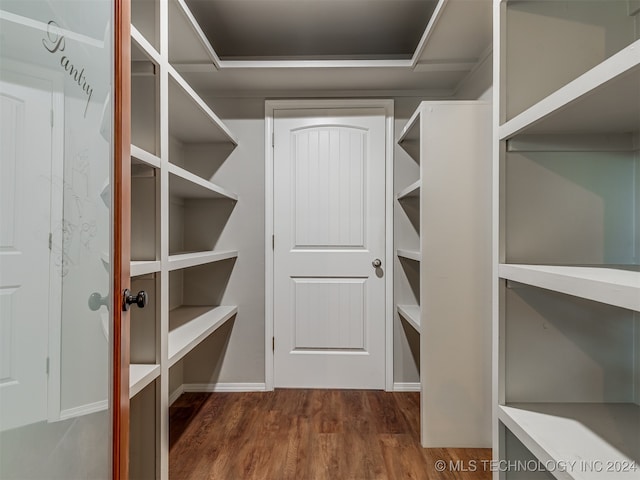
329	221
25	219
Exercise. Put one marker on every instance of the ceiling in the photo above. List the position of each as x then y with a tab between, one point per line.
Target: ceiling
327	29
355	47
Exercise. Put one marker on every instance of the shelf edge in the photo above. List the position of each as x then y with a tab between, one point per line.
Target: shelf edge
622	62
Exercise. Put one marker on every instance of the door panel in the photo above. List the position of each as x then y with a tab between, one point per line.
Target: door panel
329	313
57	261
329	187
329	223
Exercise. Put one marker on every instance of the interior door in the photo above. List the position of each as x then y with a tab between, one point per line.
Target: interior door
26	194
61	245
329	247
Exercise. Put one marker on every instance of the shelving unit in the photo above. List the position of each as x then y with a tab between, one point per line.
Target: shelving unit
444	294
411	313
190	325
186	260
178	213
567	256
412	191
141	375
414	255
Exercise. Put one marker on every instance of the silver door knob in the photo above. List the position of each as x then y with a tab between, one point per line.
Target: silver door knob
377	263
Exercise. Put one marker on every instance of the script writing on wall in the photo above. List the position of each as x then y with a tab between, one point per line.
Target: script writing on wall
55	42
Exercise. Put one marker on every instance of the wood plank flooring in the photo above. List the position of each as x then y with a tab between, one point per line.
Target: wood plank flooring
309	435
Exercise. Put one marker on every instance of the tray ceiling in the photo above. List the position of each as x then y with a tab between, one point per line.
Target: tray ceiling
326	29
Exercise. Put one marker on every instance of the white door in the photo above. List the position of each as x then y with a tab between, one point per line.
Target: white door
25	223
329	224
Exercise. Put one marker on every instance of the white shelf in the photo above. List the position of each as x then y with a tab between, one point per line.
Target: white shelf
186	260
190	118
185	184
410	254
144	267
411	314
602	100
457	37
411	131
612	286
191	325
141	375
144	45
586	433
187	42
412	190
142	156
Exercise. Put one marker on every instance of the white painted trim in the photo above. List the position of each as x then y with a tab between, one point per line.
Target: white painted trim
315	64
270	107
406	386
269	253
224	387
176	394
84	410
56	219
389	262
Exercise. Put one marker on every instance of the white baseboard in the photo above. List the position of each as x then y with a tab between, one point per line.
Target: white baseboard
406	386
176	394
83	410
224	387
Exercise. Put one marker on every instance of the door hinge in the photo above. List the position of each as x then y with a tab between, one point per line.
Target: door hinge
50	241
273	242
273	344
273	139
47	366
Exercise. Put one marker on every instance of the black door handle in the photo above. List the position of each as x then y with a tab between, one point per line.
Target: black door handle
130	299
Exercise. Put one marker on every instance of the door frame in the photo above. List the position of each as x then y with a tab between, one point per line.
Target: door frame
271	106
121	236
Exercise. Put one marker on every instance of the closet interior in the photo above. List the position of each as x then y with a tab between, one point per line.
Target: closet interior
556	376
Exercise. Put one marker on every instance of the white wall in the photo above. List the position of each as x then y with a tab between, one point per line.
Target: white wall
235	354
478	85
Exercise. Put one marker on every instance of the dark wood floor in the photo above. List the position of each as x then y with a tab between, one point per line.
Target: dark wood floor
308	435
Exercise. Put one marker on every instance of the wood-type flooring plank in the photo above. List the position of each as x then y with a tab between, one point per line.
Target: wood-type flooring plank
309	435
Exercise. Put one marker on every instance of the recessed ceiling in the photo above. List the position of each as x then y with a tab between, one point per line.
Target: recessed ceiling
326	29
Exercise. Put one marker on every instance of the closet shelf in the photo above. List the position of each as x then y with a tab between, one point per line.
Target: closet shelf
185	260
613	286
411	131
410	138
458	31
410	254
608	89
190	118
138	155
591	434
185	184
187	42
141	375
144	267
412	190
191	325
411	314
142	43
